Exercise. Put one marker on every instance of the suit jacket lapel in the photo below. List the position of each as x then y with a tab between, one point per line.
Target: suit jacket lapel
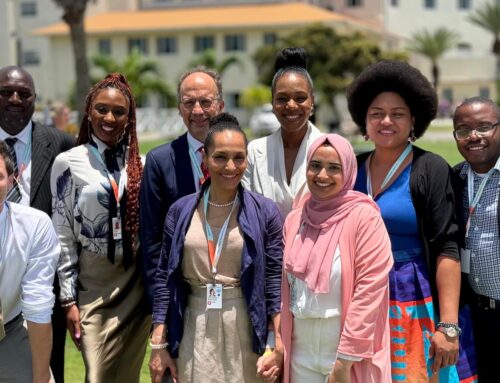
40	159
182	165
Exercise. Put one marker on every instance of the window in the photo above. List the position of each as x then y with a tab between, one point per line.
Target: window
29	8
234	43
429	4
202	43
31	58
484	92
394	3
233	100
448	94
464	47
464	4
354	3
104	46
141	45
270	38
166	45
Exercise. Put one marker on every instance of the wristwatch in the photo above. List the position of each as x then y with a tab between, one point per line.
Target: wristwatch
450	329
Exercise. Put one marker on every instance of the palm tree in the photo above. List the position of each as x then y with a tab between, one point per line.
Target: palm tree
144	76
208	59
488	18
433	45
73	15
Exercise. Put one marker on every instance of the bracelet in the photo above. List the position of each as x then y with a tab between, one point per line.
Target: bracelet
268	351
68	304
159	346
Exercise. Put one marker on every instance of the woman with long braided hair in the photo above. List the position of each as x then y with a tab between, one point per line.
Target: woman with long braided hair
95	188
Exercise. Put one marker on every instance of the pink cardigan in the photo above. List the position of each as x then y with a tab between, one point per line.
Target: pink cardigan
365	295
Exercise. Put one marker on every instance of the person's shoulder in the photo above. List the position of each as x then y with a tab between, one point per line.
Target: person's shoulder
458	167
262	142
29	213
168	147
184	202
429	160
74	152
54	135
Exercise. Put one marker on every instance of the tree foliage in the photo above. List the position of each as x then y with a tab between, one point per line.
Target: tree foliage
433	45
73	15
488	18
334	58
208	58
255	96
144	76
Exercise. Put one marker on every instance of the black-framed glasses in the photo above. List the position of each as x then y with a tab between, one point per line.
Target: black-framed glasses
482	130
205	103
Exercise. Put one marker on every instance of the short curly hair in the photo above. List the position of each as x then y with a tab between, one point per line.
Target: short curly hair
393	76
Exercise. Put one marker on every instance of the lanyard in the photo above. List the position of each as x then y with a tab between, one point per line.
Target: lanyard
474	199
215	253
394	168
118	189
195	164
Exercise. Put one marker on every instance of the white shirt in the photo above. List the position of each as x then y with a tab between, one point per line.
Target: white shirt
23	154
266	173
29	251
196	145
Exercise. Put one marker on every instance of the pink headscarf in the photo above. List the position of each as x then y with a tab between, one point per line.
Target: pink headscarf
311	255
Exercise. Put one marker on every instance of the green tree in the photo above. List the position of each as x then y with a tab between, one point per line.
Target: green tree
433	45
255	96
73	15
488	18
334	59
144	76
208	59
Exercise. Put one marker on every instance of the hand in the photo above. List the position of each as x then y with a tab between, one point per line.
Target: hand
73	324
43	378
444	350
341	372
269	366
159	361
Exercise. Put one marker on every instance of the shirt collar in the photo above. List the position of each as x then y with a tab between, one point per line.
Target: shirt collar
465	168
23	136
101	146
3	214
195	144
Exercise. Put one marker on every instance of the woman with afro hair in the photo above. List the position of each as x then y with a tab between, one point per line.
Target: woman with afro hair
95	189
393	104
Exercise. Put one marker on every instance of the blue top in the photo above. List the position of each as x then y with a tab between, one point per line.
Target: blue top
397	208
260	221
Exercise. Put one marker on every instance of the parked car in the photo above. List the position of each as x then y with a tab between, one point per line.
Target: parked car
263	121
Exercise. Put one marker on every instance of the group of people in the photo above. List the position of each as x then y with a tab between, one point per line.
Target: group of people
288	258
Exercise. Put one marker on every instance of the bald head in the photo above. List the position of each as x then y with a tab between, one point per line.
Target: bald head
17	99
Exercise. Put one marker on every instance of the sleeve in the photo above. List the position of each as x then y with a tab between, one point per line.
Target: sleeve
367	311
440	223
246	180
274	258
152	220
37	298
161	299
63	201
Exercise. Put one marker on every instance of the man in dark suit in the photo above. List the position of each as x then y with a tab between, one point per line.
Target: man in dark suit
35	148
174	170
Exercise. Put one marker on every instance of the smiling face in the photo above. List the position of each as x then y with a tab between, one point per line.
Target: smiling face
199	101
109	115
389	121
324	173
226	159
17	99
292	101
481	152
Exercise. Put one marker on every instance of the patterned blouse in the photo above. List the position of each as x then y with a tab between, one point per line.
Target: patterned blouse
80	199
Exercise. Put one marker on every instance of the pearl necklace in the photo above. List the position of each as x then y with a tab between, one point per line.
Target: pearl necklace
220	205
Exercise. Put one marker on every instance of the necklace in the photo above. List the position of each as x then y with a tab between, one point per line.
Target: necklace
211	203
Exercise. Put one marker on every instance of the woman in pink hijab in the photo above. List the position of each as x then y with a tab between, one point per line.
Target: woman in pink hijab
335	324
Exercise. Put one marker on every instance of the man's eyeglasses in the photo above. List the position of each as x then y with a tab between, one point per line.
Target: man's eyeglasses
482	130
205	103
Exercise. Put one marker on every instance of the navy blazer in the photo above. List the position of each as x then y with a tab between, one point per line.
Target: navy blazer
167	176
260	221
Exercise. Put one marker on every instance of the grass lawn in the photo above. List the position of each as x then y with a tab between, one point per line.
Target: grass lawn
74	371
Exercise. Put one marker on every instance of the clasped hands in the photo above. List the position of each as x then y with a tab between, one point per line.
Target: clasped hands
269	365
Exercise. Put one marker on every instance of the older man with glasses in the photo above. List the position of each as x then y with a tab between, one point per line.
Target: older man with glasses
175	169
477	135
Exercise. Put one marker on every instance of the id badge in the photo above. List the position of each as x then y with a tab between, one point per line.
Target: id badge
117	228
465	260
214	296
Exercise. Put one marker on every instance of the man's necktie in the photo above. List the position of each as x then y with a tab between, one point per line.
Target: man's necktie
2	328
14	194
204	168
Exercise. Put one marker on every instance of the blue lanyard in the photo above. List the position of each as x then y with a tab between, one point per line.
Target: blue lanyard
214	253
394	168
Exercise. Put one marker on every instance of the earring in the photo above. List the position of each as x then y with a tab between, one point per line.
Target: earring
366	137
312	111
412	135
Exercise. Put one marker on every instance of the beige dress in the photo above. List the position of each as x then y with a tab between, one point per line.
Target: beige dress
217	344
